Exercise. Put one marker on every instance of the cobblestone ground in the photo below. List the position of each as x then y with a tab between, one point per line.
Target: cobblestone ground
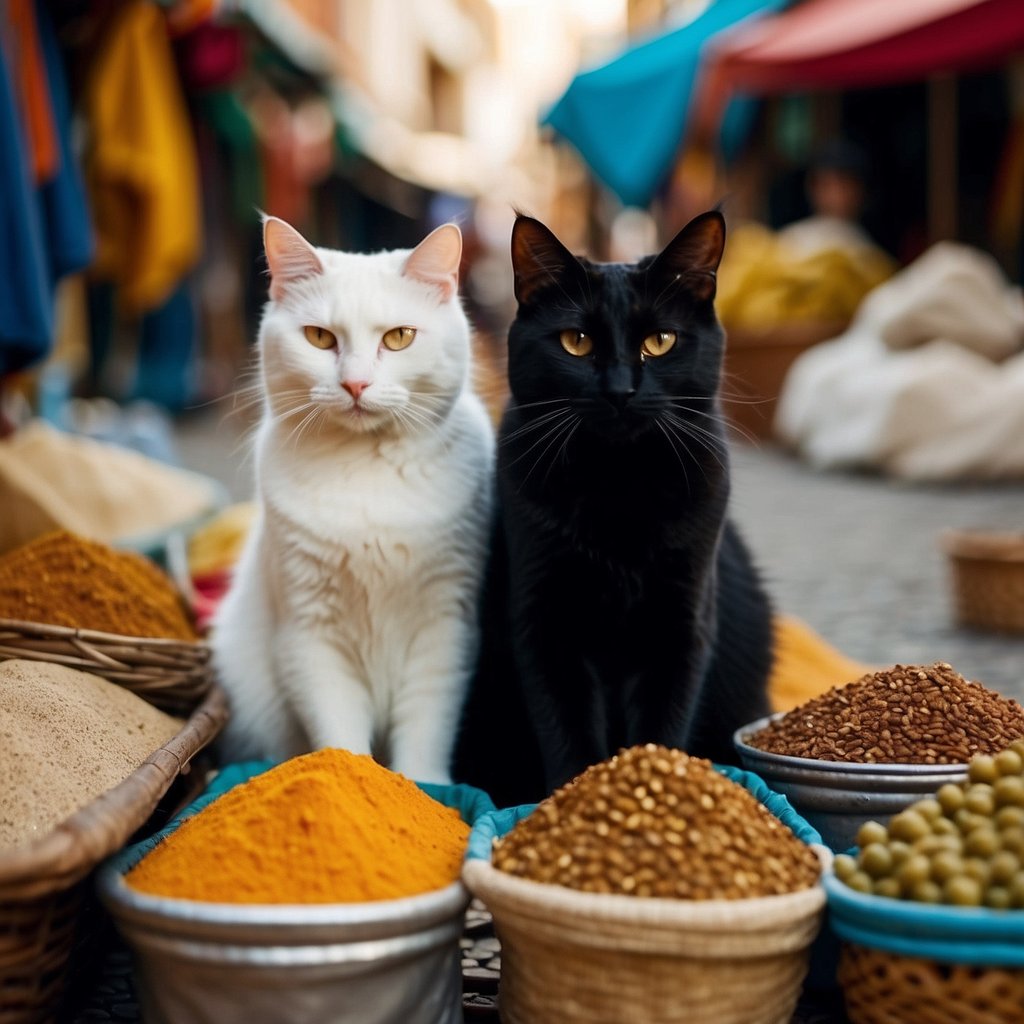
858	558
855	556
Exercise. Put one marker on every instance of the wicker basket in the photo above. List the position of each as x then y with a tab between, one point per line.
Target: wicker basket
918	963
42	885
570	956
171	674
988	579
884	988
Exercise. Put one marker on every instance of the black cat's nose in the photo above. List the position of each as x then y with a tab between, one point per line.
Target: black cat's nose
619	387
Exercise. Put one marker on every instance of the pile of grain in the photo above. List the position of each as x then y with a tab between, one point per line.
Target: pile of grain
65	738
652	821
918	714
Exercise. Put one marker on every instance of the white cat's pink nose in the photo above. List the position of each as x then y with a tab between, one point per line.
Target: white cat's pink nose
355	387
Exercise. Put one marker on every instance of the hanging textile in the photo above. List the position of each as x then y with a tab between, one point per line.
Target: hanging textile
141	162
44	224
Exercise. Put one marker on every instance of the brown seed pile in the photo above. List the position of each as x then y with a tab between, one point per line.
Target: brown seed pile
655	822
917	714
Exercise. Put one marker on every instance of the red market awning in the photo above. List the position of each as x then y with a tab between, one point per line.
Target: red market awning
856	43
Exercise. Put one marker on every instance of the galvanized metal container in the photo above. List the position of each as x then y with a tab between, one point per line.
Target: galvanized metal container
385	962
837	797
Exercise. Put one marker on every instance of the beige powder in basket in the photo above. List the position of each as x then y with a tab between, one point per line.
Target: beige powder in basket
65	738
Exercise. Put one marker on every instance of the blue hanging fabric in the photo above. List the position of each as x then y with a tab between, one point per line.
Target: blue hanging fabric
628	117
26	298
44	230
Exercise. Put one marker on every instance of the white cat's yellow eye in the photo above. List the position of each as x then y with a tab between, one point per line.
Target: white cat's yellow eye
576	343
398	338
658	344
320	337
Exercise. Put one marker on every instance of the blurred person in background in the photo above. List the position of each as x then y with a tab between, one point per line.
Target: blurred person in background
836	190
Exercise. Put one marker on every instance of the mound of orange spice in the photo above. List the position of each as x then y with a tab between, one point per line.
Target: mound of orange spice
327	827
62	579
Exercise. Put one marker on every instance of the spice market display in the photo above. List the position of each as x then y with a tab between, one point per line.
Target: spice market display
926	714
61	579
964	846
65	738
326	827
654	822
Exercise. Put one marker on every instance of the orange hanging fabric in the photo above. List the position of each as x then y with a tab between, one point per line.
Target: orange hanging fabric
33	90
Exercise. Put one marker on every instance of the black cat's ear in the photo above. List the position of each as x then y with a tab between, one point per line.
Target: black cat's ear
694	254
538	258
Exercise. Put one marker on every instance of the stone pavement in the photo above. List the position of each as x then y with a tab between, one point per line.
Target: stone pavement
858	558
855	556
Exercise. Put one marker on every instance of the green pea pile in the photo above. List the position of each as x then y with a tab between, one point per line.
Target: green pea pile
964	846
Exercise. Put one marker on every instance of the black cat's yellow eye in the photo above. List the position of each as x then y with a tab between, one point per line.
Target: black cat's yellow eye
658	344
320	337
398	338
576	343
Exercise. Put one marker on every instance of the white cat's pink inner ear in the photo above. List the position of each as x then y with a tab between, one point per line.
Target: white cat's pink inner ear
436	260
289	256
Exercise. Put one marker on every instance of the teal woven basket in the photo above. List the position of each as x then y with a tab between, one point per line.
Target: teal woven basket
571	957
913	963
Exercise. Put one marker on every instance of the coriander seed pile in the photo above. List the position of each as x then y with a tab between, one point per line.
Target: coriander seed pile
965	846
652	821
918	714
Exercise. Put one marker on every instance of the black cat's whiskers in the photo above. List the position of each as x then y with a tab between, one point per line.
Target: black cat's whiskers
562	432
711	442
554	427
544	419
724	422
675	451
563	449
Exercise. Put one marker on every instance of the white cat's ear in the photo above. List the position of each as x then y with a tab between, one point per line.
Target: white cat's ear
436	260
289	256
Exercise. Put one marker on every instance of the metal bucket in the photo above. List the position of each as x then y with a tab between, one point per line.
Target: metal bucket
385	962
837	797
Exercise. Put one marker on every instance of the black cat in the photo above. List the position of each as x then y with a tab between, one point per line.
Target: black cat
621	606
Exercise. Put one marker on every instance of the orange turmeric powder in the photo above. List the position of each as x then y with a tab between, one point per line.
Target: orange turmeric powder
326	827
65	580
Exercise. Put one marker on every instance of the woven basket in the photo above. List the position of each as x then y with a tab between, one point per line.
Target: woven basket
570	956
42	884
988	579
884	988
171	674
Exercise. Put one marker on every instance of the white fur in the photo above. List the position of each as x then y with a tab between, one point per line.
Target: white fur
352	619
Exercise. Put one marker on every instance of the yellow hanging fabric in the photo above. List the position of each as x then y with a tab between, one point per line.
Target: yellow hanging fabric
141	163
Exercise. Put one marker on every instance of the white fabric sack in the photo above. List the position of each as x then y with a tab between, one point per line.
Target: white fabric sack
954	292
936	412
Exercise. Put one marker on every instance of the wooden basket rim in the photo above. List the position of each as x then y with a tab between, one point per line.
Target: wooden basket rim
984	546
75	846
576	908
199	649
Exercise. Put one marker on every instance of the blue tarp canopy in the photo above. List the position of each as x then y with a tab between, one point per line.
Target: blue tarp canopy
627	118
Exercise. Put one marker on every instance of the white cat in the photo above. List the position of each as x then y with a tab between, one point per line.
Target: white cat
352	620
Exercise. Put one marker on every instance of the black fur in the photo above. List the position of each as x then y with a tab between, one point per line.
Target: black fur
621	606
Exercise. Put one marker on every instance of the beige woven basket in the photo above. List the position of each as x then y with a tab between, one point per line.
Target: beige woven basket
988	579
884	988
569	956
171	674
43	883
